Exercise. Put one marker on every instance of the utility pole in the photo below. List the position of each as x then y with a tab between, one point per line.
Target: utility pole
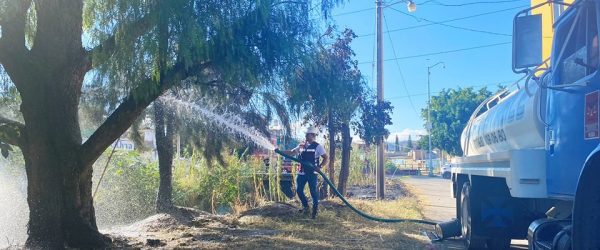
380	146
429	124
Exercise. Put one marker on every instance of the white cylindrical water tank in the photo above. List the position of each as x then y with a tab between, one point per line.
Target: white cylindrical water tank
512	123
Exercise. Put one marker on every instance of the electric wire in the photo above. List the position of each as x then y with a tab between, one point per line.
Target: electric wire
365	9
353	12
442	52
437	92
449	25
435	2
412	105
448	20
425	3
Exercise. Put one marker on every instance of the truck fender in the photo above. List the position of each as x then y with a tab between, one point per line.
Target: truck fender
594	153
586	207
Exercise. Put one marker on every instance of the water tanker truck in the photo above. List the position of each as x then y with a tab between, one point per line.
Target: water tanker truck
531	154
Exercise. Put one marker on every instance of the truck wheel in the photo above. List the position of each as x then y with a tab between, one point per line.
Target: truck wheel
586	210
471	241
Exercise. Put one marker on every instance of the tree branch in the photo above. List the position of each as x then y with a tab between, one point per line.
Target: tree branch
13	53
127	33
133	105
10	131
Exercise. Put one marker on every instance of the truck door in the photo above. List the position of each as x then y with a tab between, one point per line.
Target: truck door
573	98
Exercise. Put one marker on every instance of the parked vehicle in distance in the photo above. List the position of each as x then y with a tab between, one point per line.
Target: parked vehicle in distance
445	171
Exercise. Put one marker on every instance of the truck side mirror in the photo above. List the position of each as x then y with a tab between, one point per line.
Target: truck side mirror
527	42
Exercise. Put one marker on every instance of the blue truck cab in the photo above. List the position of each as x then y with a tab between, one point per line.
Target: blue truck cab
531	164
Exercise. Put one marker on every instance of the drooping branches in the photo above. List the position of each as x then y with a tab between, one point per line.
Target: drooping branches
125	34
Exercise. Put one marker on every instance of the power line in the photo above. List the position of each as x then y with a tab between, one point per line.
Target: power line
437	92
435	2
399	68
443	52
449	20
451	26
366	9
353	12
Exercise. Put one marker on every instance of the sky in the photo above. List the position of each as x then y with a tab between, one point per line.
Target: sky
486	62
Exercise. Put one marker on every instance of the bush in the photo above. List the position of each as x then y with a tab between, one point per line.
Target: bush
128	190
216	188
362	167
390	167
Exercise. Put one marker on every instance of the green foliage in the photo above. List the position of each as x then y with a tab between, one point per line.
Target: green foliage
128	189
362	166
450	112
327	82
242	46
409	143
423	142
389	167
216	187
240	43
373	119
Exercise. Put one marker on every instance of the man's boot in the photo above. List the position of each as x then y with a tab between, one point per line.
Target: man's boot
304	210
315	210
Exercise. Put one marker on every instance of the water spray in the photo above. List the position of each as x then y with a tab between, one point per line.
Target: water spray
361	213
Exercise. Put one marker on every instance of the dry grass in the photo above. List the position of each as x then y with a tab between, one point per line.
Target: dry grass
280	226
337	227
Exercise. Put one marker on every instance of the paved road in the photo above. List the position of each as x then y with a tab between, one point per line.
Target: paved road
435	196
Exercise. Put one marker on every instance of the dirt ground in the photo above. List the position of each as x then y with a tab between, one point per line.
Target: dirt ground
280	226
393	190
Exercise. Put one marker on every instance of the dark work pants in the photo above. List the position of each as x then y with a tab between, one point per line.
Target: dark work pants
301	181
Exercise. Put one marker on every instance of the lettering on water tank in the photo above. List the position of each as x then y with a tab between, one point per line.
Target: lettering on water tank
491	138
591	129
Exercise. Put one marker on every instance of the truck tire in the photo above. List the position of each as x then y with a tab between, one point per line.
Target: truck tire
586	209
471	241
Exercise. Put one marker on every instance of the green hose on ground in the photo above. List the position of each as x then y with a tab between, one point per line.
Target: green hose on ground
361	213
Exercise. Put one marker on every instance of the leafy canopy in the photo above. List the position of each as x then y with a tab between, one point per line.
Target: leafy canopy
450	112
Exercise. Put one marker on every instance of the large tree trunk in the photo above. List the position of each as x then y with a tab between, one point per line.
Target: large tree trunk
164	123
59	183
49	79
164	147
346	147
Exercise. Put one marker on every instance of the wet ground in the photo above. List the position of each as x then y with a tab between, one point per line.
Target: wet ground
278	225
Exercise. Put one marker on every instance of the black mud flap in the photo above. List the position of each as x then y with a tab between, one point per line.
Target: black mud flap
287	185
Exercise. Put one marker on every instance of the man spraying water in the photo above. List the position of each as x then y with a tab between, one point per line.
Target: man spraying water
310	151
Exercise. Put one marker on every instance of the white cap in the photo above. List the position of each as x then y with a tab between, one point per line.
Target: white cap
312	130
